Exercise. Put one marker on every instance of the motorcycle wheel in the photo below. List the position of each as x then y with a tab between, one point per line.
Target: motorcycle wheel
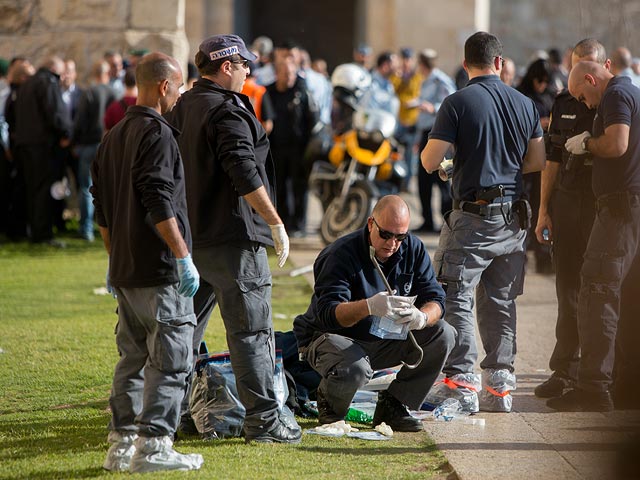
357	207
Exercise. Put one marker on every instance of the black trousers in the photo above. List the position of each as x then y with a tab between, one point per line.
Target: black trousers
292	185
36	161
426	182
608	307
572	214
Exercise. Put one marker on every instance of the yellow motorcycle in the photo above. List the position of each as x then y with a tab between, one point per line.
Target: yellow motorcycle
363	164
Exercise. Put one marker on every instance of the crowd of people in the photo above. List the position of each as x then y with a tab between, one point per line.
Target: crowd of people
189	182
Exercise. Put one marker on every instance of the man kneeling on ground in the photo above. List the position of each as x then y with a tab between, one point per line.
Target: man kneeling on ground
349	294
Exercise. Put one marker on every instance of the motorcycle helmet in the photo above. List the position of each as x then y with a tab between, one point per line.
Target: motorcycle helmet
349	82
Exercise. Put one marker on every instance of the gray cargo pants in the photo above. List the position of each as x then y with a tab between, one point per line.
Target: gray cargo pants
238	278
481	259
346	365
154	336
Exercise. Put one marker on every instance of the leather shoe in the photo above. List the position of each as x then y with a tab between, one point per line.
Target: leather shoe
391	411
279	433
578	400
554	386
326	414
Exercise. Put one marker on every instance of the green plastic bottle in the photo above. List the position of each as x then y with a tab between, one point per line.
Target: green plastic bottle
359	416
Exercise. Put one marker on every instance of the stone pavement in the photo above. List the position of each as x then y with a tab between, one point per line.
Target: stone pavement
533	441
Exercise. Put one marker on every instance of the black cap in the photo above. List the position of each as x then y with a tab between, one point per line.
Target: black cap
221	46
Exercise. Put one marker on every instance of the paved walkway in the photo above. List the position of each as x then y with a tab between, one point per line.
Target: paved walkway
532	442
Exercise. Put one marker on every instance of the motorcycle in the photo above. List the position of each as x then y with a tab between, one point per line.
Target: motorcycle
363	164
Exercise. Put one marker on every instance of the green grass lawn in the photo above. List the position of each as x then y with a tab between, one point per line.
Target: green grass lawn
57	339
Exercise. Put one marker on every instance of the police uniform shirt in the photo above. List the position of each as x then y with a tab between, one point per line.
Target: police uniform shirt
620	104
490	125
569	117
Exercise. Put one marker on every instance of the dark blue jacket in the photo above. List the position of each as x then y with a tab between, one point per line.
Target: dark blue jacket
344	272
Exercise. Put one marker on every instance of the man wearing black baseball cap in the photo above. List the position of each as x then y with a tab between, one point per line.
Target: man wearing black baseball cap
230	196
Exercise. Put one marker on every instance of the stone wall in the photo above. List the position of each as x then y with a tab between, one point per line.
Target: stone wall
525	26
84	29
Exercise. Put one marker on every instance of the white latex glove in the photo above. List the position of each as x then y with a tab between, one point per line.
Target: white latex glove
575	144
384	305
416	318
281	242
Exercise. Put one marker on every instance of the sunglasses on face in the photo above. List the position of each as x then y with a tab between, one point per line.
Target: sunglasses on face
386	235
244	63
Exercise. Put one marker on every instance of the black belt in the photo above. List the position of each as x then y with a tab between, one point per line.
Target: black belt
616	199
484	210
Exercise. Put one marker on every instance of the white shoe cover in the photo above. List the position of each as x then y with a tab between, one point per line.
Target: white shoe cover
157	453
496	388
462	387
120	452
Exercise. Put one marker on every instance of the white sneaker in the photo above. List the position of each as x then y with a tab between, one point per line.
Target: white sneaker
496	390
120	452
157	453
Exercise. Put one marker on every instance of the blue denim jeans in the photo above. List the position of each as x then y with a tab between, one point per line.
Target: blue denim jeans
86	154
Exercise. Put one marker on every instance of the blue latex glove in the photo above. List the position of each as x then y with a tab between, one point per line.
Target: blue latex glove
189	277
108	282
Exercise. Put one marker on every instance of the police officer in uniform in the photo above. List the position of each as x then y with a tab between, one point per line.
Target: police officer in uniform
497	136
608	307
567	209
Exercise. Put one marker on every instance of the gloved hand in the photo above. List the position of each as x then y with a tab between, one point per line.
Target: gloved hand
575	144
108	282
189	277
384	305
416	318
281	241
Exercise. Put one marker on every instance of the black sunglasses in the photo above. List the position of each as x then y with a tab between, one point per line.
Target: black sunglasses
244	63
385	235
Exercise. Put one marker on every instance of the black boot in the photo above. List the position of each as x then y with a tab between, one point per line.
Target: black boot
578	400
326	414
391	411
554	386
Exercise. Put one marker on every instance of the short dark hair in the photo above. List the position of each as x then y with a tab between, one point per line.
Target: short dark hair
481	48
591	47
207	66
129	79
154	68
384	57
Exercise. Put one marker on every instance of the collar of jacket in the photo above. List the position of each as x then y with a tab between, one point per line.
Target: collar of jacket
238	98
150	112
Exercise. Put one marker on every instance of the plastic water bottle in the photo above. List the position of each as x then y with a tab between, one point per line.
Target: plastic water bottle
449	410
545	234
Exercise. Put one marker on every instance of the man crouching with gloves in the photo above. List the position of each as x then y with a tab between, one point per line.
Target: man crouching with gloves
355	326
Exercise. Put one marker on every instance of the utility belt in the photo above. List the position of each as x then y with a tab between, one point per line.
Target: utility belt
482	209
619	204
492	202
577	162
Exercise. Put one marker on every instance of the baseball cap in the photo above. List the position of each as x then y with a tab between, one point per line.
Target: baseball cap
363	49
222	46
406	52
